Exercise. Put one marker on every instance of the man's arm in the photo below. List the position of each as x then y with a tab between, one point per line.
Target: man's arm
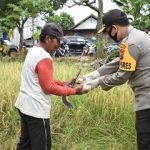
128	62
61	83
106	69
44	69
127	65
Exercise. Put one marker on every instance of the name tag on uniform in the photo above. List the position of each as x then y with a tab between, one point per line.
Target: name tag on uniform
127	62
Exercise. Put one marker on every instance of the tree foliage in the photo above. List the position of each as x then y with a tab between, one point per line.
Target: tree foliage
4	11
139	9
57	3
64	20
15	13
26	9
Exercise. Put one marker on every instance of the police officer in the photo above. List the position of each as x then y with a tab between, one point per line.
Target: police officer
133	65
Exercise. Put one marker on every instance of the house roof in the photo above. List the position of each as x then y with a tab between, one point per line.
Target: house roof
82	21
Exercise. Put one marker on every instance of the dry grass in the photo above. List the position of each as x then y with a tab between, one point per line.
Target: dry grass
100	121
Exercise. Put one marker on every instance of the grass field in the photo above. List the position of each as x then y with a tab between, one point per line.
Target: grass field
100	121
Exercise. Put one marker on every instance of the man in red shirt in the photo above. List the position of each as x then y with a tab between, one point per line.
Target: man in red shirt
37	84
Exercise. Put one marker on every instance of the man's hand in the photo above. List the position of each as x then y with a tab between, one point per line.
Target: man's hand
79	89
80	81
72	82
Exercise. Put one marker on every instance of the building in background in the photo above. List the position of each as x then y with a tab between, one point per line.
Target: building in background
29	28
85	28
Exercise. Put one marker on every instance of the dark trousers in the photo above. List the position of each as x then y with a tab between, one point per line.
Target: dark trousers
143	129
35	133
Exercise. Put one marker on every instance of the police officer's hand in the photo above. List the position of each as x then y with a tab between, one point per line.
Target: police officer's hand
79	89
80	81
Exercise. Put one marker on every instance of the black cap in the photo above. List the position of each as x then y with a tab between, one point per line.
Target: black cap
114	17
54	30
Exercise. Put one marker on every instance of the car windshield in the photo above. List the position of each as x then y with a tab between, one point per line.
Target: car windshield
80	39
75	39
7	42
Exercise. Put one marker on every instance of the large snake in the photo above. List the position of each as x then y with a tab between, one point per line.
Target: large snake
65	98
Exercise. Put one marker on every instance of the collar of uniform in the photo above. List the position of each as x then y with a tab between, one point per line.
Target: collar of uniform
130	28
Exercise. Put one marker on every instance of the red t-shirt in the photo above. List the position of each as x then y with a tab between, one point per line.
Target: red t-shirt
44	69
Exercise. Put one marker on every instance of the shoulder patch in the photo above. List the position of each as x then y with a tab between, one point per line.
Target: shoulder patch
127	62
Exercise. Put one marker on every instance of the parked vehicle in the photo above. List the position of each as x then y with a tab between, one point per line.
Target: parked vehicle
62	51
78	43
7	48
89	49
28	42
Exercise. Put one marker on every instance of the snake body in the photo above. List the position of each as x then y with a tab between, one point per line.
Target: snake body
65	98
66	102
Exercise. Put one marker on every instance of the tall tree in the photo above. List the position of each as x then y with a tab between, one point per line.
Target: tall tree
23	10
15	13
99	10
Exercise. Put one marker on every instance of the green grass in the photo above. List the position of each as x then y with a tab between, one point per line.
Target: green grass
100	121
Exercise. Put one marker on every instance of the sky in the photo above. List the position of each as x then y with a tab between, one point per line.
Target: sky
81	12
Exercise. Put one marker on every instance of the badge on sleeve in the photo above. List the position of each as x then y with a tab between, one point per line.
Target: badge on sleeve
127	62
